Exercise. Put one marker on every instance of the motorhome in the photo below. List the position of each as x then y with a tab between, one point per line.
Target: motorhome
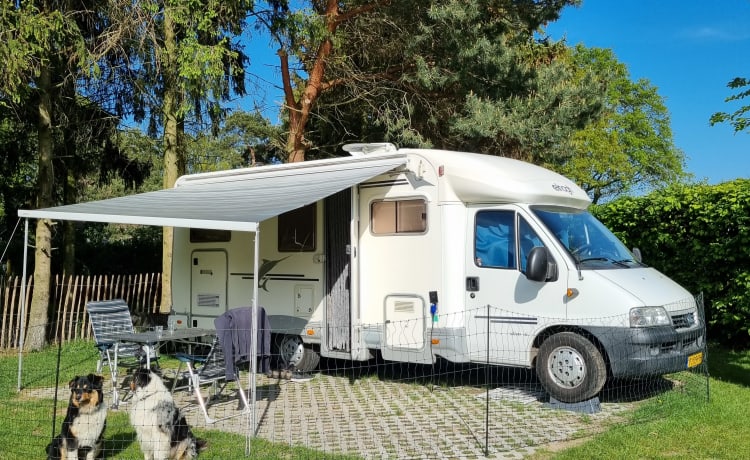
431	255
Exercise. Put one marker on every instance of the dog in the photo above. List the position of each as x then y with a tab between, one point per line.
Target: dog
86	418
162	430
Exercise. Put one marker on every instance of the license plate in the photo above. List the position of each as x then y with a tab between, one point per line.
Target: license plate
695	359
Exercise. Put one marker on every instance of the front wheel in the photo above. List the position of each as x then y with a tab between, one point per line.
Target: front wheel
294	354
570	367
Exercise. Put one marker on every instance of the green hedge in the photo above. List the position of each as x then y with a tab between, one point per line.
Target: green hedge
698	235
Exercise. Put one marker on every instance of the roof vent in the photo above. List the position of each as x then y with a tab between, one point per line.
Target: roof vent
357	150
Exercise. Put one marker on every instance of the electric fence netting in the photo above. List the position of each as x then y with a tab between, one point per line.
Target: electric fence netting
340	409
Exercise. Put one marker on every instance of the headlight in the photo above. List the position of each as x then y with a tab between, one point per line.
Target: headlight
649	316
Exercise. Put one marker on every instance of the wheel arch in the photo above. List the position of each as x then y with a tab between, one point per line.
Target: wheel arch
583	332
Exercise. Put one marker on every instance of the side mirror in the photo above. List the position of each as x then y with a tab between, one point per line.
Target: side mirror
540	266
637	255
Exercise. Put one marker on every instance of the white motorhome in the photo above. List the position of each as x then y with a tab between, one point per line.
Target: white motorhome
439	255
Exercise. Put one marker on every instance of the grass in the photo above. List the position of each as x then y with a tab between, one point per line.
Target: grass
667	426
26	421
717	429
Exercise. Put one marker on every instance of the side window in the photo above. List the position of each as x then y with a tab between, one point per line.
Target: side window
527	239
296	230
494	239
398	216
202	235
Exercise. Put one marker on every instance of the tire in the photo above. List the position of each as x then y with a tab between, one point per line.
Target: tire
295	355
570	367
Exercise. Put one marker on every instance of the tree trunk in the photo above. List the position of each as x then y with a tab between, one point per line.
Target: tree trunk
174	159
299	109
36	336
69	227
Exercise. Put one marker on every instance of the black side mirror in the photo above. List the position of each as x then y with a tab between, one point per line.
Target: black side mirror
540	266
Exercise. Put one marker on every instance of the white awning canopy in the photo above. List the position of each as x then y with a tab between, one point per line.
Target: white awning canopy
230	200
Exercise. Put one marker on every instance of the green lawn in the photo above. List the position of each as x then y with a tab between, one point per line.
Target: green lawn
26	422
718	429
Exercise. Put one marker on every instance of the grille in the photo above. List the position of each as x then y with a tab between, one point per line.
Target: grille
684	320
208	300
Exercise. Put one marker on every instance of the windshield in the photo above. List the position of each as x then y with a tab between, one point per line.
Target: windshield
587	240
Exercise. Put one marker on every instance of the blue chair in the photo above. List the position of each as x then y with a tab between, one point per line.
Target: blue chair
110	317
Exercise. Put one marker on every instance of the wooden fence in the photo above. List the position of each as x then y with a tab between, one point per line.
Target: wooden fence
68	296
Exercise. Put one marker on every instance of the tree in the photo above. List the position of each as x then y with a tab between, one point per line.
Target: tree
308	37
41	45
17	155
630	146
458	75
738	119
243	139
179	60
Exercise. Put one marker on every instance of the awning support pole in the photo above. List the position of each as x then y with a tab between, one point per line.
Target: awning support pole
254	339
22	323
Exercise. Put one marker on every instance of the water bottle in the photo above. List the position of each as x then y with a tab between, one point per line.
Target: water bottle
171	321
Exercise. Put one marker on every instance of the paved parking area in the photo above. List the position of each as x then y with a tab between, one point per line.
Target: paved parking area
407	418
408	414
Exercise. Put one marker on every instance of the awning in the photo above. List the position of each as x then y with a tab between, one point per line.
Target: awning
230	200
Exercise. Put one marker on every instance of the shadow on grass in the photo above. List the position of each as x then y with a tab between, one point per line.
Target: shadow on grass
731	366
118	443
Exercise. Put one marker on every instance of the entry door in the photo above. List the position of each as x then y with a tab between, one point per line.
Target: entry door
208	283
505	309
338	270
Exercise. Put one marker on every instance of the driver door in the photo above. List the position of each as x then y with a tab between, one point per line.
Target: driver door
505	309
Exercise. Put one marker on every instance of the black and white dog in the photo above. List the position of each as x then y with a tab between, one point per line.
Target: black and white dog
162	430
85	420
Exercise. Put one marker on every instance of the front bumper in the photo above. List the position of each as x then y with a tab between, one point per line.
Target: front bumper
638	352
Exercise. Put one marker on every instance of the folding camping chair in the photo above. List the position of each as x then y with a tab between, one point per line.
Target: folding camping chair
209	369
110	317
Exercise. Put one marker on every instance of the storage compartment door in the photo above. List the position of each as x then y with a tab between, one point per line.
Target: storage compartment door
208	283
404	322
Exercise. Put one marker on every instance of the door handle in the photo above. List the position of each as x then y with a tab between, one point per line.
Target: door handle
472	283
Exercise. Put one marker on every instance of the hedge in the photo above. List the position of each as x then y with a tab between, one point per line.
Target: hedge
698	235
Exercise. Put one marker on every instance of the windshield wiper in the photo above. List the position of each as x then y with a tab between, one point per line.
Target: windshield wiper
631	261
621	263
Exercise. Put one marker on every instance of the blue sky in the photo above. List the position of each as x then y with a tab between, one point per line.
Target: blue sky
689	50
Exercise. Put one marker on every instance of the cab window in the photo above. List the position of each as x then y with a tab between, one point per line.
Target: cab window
527	240
494	239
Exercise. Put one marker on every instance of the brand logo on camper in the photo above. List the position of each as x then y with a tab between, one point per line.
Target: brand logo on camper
562	188
264	269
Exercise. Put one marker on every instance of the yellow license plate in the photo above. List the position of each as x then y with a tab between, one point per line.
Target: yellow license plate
695	359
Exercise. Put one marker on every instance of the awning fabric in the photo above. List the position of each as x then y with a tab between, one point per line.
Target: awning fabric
230	200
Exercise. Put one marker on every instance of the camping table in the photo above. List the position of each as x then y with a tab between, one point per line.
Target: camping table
151	340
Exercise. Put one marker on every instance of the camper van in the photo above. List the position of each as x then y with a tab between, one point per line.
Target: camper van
419	255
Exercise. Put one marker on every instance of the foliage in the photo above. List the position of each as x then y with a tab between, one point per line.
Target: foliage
185	47
29	35
457	75
698	235
18	171
243	139
738	119
629	147
428	72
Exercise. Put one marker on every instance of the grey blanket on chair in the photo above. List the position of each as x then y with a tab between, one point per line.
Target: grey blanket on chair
234	329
